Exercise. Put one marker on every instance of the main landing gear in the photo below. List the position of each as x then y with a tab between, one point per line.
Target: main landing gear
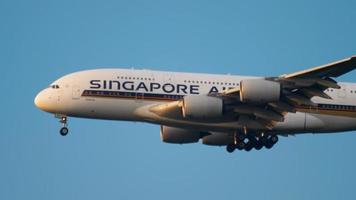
64	130
248	142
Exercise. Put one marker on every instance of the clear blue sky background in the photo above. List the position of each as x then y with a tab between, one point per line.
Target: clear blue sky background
42	40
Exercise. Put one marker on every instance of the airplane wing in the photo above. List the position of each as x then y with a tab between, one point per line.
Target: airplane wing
334	69
296	91
304	85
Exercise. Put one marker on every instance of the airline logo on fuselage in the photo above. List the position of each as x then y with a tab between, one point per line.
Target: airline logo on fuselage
148	87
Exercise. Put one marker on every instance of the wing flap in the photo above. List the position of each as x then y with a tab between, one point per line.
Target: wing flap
300	100
282	106
311	92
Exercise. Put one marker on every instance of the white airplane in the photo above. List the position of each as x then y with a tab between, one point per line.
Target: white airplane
238	112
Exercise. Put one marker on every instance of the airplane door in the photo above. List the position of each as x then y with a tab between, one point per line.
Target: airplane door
75	92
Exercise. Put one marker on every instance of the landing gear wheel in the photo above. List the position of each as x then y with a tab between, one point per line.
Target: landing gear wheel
261	140
240	145
249	146
251	143
64	131
268	145
230	148
264	139
271	141
63	120
258	145
274	139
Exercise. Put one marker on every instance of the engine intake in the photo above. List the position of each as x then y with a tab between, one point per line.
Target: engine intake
259	91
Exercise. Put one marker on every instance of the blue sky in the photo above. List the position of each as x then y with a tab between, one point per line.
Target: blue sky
44	40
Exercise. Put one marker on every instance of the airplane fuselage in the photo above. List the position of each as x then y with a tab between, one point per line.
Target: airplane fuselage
123	94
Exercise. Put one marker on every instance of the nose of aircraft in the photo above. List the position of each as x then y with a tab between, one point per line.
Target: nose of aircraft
40	101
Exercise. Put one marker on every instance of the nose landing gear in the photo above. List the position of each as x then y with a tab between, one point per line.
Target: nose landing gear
63	120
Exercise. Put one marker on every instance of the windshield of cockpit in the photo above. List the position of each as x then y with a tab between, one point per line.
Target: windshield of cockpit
54	86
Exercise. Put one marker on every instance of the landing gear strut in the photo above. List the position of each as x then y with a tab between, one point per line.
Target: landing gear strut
64	130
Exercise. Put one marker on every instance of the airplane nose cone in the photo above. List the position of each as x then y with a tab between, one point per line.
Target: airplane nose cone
41	101
38	101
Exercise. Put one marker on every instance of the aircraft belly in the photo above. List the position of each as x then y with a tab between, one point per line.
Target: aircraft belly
314	123
293	123
102	108
328	123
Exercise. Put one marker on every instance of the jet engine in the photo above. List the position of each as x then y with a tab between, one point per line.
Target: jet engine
259	91
179	135
202	107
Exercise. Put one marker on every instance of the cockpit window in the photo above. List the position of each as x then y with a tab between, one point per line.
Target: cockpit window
55	86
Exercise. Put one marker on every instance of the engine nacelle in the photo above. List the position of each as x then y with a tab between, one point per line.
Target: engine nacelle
259	91
202	107
218	139
179	135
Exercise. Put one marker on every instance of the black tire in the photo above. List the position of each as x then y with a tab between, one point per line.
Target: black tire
264	139
258	145
64	131
268	145
274	139
230	148
249	146
240	145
